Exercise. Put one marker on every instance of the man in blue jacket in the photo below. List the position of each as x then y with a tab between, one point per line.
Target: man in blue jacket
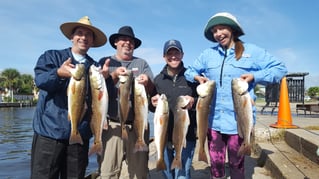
52	156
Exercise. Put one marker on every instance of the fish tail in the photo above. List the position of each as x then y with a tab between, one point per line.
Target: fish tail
124	133
160	165
75	138
140	146
105	124
177	163
244	149
202	156
96	148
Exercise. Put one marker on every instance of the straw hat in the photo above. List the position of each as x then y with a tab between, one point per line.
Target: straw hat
223	18
99	37
125	31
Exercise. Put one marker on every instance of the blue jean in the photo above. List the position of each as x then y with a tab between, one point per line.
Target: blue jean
187	157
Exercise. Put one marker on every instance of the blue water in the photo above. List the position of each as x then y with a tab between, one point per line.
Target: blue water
15	142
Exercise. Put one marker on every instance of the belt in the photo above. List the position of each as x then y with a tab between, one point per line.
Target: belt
117	120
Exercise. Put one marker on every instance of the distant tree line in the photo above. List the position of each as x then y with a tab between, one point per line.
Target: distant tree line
16	83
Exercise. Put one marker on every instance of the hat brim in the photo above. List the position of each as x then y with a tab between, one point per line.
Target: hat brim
221	20
113	37
99	37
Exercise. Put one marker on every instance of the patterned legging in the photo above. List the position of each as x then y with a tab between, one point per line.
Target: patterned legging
217	144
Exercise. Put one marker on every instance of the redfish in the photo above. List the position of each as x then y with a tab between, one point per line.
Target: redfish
161	117
244	113
76	101
205	93
100	100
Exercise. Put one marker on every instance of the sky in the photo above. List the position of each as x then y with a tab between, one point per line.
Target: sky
287	29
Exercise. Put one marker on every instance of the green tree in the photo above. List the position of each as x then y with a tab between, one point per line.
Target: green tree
27	84
11	81
313	91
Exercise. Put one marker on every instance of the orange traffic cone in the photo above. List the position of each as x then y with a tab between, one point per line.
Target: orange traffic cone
284	113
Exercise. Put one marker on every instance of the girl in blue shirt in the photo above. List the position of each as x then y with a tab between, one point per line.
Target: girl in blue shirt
230	58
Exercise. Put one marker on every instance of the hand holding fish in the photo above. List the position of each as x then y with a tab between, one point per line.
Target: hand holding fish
105	69
65	69
201	79
247	77
154	100
143	79
190	103
120	71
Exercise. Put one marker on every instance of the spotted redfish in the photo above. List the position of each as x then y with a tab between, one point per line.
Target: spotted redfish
100	100
244	113
205	93
181	123
76	101
140	115
161	117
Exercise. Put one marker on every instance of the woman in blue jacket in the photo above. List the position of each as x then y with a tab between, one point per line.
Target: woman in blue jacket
230	58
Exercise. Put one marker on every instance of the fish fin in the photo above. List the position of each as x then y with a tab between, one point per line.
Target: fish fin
177	163
96	148
160	165
75	138
202	156
145	125
83	111
244	149
184	144
140	146
101	93
73	88
252	102
124	132
240	133
105	125
245	102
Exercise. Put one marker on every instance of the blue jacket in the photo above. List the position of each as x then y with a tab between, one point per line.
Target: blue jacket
51	114
220	65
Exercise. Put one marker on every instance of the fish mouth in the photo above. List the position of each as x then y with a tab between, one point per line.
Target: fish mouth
184	107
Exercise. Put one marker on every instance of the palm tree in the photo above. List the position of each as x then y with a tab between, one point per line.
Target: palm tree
11	79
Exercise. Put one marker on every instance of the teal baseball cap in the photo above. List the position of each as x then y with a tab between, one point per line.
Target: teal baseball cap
222	18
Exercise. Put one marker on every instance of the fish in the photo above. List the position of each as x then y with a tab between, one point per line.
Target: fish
140	115
181	123
99	105
205	93
125	87
243	105
76	101
161	117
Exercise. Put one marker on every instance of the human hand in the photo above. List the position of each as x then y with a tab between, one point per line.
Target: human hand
247	77
154	100
105	68
201	79
118	72
143	79
190	103
64	71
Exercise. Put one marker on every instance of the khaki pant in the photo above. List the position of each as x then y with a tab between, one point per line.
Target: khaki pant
116	150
